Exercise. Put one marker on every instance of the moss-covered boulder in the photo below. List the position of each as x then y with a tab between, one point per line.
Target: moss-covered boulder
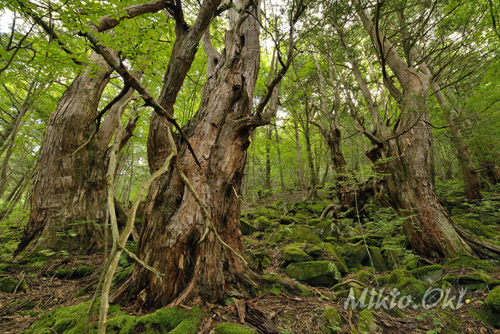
292	254
9	285
246	227
316	208
304	234
287	220
469	262
73	272
474	281
489	312
327	229
268	212
376	260
172	320
232	328
313	222
365	255
332	321
332	254
315	273
262	223
429	274
476	227
71	320
4	267
405	283
367	323
493	300
370	239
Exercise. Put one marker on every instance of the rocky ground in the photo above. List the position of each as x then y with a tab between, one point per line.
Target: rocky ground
353	277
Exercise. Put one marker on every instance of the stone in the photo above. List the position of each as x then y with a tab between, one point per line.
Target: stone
315	273
292	254
246	227
332	320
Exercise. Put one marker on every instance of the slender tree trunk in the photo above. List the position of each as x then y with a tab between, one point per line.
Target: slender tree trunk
310	161
174	225
277	138
300	169
269	134
12	137
471	178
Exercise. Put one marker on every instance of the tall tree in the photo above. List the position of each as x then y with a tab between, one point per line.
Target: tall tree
428	227
69	191
197	250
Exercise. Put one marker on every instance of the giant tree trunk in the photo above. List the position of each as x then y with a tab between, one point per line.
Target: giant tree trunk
428	227
68	199
173	225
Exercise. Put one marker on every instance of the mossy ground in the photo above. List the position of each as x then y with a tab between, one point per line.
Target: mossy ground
373	255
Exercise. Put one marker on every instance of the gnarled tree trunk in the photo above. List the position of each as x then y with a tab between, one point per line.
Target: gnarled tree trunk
173	226
428	227
68	199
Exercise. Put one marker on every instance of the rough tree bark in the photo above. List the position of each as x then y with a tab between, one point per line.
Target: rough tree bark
69	189
428	227
174	225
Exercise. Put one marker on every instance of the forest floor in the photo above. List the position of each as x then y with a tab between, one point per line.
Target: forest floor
333	259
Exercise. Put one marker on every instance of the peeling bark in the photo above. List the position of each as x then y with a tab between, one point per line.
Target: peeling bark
174	225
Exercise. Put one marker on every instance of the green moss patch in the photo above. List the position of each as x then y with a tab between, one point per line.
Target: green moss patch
232	328
71	320
9	285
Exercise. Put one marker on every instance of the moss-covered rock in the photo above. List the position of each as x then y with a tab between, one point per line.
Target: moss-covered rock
316	208
358	256
430	274
327	229
476	227
332	320
262	223
304	234
473	263
363	276
172	320
376	260
4	267
246	227
287	220
493	300
370	239
9	285
71	320
474	281
292	254
333	255
367	323
269	213
405	283
232	328
313	222
315	273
